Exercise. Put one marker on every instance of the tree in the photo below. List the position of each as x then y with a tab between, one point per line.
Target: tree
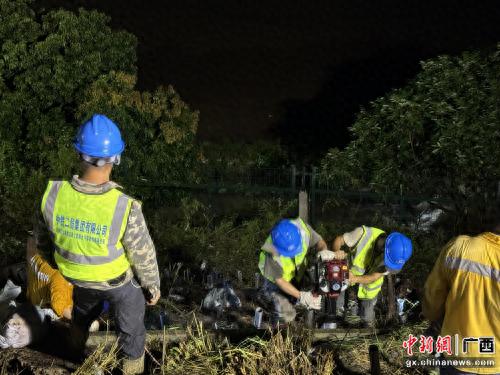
55	69
438	136
159	128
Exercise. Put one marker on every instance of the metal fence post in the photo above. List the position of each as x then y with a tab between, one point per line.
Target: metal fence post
293	181
312	210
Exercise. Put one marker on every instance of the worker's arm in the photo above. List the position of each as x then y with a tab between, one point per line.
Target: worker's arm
141	253
436	289
41	276
273	270
348	240
321	245
61	296
317	241
337	245
364	279
287	287
338	242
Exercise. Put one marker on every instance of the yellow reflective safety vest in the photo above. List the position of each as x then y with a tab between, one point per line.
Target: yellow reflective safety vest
292	267
362	260
463	290
87	231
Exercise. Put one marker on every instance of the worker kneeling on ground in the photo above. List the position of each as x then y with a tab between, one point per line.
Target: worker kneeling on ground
372	255
283	260
102	244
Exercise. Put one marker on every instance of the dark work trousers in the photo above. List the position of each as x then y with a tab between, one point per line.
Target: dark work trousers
128	304
364	308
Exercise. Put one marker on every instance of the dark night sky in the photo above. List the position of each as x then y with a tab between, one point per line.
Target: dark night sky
291	70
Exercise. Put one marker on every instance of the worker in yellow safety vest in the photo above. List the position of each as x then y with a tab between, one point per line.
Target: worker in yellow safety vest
101	244
462	296
372	255
282	262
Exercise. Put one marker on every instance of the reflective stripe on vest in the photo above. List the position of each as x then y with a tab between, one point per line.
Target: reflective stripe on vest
473	267
359	265
290	265
87	231
363	249
370	291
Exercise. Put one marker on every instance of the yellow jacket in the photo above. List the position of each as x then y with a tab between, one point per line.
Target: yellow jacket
47	287
463	288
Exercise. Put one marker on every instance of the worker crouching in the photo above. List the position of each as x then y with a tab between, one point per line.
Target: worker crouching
282	262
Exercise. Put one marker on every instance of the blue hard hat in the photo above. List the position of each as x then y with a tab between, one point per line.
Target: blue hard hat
398	249
99	137
286	238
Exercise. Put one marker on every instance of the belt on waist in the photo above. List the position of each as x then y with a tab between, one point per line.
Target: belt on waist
117	280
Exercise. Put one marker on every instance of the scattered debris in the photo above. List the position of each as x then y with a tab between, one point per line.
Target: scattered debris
221	299
9	292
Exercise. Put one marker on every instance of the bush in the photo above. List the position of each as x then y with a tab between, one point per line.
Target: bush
57	68
193	233
435	137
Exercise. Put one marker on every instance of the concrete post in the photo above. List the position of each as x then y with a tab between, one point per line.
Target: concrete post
304	206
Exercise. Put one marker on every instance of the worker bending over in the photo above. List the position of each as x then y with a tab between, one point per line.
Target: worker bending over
282	261
372	255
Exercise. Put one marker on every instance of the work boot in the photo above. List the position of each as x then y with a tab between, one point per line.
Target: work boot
133	366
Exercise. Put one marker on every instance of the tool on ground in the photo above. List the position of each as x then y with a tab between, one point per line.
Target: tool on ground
257	318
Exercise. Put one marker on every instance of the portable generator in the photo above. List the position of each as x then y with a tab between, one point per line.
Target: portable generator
331	278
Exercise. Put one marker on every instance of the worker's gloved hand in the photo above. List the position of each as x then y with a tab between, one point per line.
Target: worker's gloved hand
345	285
309	301
341	254
326	255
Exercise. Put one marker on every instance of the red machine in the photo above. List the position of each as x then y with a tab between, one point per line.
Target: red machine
332	277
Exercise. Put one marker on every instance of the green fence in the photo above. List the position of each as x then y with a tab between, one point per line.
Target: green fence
287	182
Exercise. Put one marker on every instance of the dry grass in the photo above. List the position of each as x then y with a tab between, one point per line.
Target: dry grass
285	353
354	353
102	360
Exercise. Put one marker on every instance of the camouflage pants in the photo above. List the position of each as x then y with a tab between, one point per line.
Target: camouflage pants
280	305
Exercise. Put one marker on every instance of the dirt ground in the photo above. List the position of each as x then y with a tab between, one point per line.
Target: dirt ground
184	293
28	361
